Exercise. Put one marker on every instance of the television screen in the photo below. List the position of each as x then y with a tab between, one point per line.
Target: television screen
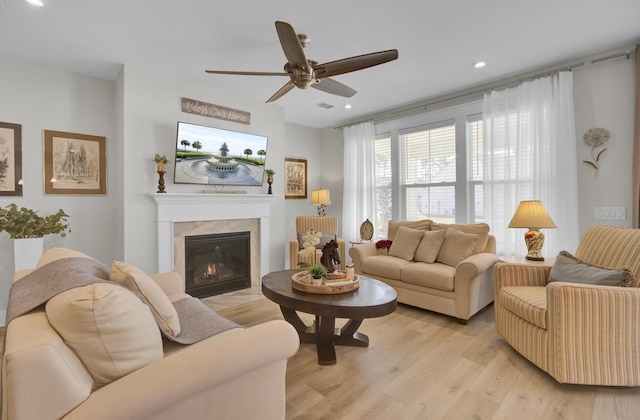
207	155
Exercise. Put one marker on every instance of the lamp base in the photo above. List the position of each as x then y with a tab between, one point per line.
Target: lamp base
534	240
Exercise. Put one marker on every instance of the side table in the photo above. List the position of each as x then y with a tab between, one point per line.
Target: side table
520	259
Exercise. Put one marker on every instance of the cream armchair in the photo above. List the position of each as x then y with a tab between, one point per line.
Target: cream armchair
327	225
578	333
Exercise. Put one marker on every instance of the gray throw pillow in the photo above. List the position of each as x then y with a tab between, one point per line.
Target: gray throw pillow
570	269
323	240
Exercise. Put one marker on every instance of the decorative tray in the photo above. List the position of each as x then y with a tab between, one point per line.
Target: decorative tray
302	281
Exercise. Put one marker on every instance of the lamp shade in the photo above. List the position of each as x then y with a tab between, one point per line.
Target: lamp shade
320	198
531	214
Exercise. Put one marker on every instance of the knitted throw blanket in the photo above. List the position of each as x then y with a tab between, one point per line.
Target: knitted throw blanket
197	321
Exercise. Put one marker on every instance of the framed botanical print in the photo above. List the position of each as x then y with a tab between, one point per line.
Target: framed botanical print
10	159
74	163
295	178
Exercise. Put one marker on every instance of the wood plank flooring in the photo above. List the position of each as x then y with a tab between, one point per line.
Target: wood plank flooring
423	365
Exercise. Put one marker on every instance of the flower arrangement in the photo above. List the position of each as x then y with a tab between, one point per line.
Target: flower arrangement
309	241
595	138
26	223
161	162
383	246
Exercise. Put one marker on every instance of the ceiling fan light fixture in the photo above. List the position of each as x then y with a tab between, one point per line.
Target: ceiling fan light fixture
479	64
36	3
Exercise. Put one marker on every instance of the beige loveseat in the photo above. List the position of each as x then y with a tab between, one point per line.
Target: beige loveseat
579	333
442	268
127	370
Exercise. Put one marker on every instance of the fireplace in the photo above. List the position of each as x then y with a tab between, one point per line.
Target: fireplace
217	263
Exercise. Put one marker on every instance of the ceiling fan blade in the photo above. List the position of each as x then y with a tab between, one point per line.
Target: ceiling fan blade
334	87
291	46
247	73
359	62
284	89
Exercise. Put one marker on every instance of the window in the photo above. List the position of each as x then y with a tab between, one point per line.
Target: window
429	166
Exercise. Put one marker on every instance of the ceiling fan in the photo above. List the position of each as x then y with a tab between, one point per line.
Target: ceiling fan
306	73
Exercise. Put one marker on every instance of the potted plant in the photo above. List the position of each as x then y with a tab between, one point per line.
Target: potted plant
270	173
317	271
29	228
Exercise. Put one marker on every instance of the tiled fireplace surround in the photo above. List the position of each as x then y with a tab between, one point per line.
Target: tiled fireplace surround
180	215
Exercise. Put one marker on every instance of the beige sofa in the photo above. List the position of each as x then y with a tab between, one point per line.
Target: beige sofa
579	333
238	373
442	268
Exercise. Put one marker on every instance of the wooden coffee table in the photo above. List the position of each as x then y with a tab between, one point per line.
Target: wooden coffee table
372	299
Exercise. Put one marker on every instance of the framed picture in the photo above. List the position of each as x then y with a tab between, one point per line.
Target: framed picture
74	163
10	159
295	178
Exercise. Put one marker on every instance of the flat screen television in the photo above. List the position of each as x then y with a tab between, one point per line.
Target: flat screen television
212	156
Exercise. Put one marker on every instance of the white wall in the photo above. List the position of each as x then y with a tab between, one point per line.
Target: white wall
152	107
40	98
604	97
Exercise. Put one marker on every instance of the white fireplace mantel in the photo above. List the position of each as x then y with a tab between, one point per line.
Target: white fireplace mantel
185	207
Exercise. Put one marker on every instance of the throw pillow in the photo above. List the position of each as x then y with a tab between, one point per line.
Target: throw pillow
570	269
405	243
456	247
150	293
57	253
479	229
394	225
429	246
109	328
324	239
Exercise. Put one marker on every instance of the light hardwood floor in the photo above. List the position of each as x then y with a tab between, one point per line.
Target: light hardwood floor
422	365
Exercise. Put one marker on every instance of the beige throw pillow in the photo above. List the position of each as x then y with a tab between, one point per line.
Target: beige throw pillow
480	229
430	246
150	293
394	225
456	247
109	328
405	243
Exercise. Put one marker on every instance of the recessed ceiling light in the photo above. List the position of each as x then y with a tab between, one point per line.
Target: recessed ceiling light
479	64
37	3
347	106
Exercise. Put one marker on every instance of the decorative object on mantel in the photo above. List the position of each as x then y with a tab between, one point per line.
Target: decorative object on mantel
596	138
366	230
161	168
27	228
270	173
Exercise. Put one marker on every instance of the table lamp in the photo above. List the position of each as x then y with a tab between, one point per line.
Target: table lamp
320	198
532	215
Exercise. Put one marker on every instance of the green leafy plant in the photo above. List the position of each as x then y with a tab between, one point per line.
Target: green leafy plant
317	271
22	222
270	171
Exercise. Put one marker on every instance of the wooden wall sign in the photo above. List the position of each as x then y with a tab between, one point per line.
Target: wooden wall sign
192	106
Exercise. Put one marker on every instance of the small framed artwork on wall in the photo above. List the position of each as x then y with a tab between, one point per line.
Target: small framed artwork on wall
10	159
74	163
295	178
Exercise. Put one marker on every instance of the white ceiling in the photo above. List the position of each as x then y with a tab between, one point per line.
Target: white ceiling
437	42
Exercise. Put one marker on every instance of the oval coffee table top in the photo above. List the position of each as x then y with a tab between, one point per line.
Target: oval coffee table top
372	299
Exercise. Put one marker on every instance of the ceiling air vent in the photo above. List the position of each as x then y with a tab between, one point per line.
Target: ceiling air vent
324	105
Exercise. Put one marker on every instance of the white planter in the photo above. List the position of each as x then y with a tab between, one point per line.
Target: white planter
27	252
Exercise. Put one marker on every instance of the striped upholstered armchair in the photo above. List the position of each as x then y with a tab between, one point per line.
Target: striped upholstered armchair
578	333
328	226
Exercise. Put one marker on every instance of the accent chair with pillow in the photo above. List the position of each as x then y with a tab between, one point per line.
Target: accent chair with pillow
328	227
88	341
578	320
439	267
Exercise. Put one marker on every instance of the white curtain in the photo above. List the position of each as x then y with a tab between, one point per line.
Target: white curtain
359	188
530	154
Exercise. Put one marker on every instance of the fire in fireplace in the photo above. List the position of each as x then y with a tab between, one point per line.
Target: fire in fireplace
217	263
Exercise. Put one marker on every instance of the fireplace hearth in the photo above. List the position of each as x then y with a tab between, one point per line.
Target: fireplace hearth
217	263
